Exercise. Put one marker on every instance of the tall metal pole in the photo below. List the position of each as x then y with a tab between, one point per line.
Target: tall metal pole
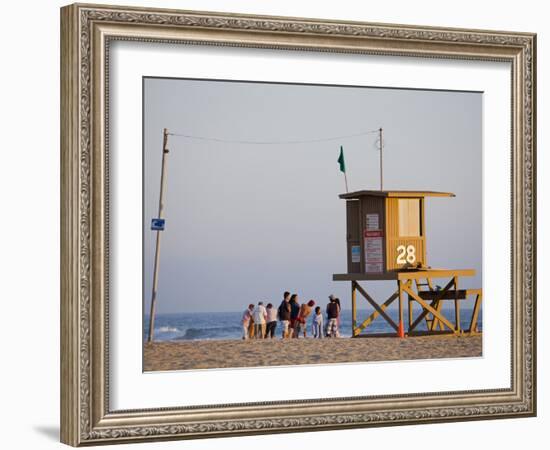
346	180
381	174
157	249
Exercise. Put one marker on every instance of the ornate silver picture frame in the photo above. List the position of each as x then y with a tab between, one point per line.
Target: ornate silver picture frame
87	33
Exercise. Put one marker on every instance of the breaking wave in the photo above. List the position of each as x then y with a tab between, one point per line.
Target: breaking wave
210	333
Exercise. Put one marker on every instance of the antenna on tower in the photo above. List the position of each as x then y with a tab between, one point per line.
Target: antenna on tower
380	147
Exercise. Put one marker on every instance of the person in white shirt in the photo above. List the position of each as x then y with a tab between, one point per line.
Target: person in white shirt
247	315
271	321
259	317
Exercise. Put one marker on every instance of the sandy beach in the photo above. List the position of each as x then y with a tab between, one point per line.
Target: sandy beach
208	354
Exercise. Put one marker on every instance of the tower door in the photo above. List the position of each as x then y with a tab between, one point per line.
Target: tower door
405	230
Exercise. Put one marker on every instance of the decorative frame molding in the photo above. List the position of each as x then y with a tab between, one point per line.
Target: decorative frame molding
86	31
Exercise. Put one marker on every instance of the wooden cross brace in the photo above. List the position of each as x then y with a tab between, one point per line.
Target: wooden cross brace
435	304
437	297
406	287
379	310
431	305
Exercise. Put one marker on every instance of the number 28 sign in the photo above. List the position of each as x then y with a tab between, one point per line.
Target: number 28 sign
406	254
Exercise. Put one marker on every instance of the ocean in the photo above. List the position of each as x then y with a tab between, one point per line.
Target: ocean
227	325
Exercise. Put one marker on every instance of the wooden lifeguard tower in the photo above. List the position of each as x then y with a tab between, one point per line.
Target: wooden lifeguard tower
386	240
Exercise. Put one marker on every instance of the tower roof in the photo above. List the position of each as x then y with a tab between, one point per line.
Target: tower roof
395	194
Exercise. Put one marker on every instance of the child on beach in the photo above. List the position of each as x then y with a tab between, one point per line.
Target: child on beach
317	323
247	315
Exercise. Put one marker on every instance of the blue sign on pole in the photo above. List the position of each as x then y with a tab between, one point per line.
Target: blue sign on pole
157	224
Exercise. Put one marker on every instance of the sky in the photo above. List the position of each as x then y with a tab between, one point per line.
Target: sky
246	222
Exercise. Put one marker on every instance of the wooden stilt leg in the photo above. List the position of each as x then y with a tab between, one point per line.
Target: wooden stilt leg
475	313
354	331
400	324
410	306
457	305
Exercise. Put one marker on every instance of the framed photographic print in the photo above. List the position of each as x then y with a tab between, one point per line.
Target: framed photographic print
277	224
237	216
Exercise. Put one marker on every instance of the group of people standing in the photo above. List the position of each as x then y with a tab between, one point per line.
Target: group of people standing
260	322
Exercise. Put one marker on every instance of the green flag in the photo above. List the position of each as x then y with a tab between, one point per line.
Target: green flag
341	160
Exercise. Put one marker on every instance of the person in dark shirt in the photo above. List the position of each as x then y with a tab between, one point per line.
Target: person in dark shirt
339	318
333	313
284	315
294	312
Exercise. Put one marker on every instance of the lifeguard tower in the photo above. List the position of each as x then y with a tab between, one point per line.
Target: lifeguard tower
386	240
